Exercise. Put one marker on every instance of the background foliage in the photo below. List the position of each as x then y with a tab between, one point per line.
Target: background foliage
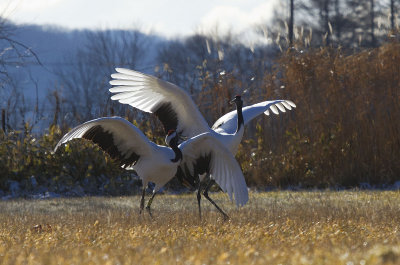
344	132
341	69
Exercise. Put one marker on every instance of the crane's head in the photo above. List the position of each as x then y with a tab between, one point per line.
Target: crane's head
172	138
237	100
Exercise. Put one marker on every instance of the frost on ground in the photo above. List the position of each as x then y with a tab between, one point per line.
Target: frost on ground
29	188
32	190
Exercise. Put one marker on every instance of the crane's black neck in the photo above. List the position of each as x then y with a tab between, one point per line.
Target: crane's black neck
173	143
178	153
240	120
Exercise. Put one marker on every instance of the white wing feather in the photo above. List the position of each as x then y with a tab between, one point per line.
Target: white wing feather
126	136
224	168
148	93
228	122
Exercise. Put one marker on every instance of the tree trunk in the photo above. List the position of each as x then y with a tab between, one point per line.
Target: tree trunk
3	120
373	41
326	22
338	21
392	14
291	22
57	109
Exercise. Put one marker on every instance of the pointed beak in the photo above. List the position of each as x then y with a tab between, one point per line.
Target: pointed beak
232	101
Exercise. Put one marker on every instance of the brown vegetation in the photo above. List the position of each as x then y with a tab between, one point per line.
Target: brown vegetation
344	132
345	129
273	228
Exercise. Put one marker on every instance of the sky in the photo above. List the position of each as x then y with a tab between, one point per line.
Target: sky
170	18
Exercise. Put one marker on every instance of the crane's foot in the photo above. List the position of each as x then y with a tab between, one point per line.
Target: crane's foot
226	217
149	211
205	193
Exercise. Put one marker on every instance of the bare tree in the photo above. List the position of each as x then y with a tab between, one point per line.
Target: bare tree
214	67
392	14
291	23
372	22
12	52
14	55
84	85
338	21
348	23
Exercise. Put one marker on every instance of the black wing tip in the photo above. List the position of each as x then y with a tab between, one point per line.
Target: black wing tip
105	140
167	115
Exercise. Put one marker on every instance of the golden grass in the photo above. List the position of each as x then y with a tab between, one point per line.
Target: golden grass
358	227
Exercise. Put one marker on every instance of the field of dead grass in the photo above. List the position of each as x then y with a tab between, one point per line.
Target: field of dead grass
319	227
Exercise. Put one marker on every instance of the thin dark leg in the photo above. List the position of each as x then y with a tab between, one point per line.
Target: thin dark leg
149	204
142	200
205	193
198	199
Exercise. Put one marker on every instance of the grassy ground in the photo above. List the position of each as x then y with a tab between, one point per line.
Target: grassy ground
274	228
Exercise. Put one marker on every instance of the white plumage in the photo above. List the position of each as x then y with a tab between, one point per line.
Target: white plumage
224	168
158	164
176	109
228	122
126	143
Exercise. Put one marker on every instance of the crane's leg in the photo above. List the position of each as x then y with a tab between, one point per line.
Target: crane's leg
149	204
205	193
198	199
142	200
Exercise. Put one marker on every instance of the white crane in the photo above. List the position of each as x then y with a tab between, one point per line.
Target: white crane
158	164
176	110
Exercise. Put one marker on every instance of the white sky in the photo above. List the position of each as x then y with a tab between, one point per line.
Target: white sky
166	17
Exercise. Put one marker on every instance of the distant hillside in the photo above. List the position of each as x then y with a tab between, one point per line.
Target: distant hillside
53	45
69	81
56	49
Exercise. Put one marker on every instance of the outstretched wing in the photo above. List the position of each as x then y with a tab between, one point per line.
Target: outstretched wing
204	153
228	122
116	136
171	104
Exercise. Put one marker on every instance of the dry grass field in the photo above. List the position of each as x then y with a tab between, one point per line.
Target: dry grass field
348	227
